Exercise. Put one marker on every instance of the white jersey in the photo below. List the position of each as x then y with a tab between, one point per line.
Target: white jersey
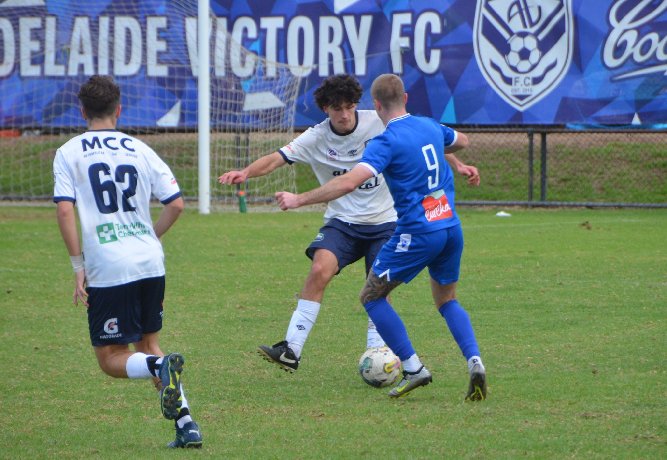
111	177
330	154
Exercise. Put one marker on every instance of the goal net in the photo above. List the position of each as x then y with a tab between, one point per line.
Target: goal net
48	49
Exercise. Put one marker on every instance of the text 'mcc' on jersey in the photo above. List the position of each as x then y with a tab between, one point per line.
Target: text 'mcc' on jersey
111	177
411	155
330	154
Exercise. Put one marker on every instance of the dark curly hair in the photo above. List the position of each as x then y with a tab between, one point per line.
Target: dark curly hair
99	96
338	90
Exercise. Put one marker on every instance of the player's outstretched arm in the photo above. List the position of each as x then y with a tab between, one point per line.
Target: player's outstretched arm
260	167
333	189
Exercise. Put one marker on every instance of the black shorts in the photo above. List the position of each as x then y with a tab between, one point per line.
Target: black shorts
351	242
123	314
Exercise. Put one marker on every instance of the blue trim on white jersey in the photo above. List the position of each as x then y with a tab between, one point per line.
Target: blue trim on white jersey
58	199
287	160
171	198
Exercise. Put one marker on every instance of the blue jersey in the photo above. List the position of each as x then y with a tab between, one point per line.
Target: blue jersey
411	156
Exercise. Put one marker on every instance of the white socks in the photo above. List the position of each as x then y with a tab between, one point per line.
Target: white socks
412	364
475	360
373	338
137	367
184	404
302	322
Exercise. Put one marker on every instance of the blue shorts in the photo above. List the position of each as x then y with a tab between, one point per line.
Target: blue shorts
123	314
351	242
405	256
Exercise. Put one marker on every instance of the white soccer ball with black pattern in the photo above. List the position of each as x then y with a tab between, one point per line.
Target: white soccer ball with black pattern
379	367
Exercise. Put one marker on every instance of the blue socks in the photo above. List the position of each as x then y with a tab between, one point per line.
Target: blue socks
391	327
460	326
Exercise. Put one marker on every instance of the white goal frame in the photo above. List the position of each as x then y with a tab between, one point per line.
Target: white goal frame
202	78
204	108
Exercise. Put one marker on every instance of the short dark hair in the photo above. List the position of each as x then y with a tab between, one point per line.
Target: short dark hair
99	96
338	90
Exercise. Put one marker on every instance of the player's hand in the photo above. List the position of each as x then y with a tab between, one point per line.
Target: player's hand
471	173
232	177
80	293
287	200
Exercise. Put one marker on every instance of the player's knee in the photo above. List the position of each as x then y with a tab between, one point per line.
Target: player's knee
367	295
442	300
321	273
112	361
106	366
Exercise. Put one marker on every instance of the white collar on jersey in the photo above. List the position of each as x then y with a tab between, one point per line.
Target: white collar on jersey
398	118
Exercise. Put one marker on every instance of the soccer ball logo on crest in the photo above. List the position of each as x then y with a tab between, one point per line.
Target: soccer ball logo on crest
379	367
524	53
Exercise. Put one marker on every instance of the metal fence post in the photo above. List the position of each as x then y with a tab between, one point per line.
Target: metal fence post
543	166
530	164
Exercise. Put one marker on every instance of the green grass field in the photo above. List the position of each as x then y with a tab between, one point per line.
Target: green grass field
568	305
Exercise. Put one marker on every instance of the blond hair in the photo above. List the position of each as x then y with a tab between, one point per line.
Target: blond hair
389	91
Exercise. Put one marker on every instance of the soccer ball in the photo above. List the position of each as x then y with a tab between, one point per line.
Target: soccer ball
524	52
379	367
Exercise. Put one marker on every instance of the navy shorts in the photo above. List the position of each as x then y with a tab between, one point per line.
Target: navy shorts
351	242
405	256
123	314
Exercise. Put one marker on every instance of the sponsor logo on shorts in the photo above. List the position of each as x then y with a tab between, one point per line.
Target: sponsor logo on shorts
404	242
111	329
319	237
111	326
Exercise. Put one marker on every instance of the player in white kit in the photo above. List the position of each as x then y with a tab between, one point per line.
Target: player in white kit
356	225
110	177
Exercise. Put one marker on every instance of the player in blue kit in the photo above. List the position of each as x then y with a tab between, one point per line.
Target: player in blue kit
356	225
411	156
111	176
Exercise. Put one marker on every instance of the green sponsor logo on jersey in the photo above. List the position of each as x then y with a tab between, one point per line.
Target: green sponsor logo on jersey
109	232
106	233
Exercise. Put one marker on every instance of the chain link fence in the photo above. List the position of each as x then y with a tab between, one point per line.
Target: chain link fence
545	166
537	166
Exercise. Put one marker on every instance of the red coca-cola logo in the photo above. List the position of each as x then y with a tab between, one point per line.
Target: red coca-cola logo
436	209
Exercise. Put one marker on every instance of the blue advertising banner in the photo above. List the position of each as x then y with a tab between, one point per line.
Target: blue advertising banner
484	62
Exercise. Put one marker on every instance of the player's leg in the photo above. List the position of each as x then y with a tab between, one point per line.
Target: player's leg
444	271
322	270
287	353
112	321
332	249
149	345
169	368
390	269
375	238
391	327
112	359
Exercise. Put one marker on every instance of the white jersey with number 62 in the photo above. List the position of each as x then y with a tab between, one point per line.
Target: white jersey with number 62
111	177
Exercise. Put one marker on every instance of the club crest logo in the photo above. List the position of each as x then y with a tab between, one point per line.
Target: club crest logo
523	47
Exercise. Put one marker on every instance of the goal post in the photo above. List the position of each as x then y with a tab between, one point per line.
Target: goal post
205	103
203	112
